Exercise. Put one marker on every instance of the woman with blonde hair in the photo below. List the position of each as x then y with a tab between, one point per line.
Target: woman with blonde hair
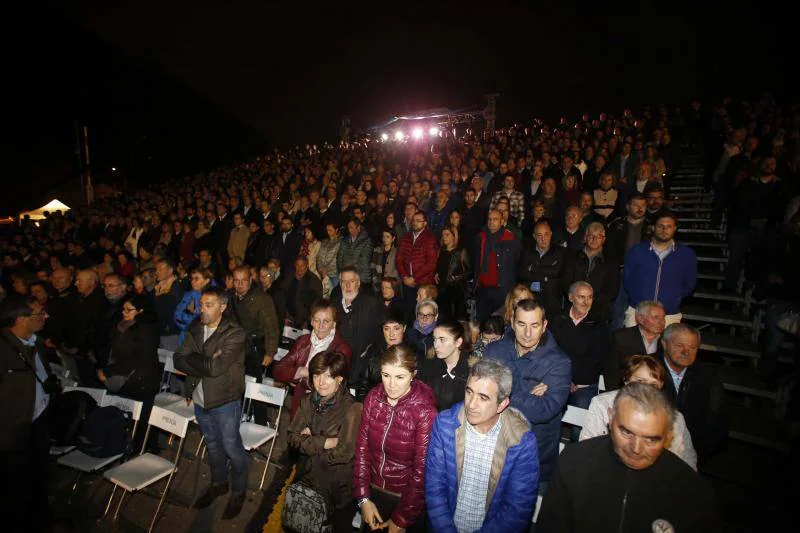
517	294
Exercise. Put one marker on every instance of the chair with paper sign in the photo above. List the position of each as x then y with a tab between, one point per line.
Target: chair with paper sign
147	468
254	436
97	395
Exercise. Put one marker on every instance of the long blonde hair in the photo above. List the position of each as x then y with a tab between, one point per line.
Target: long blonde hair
520	292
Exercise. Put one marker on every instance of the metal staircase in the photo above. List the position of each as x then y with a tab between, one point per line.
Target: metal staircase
731	322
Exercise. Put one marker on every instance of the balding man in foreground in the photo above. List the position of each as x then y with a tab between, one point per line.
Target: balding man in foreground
628	481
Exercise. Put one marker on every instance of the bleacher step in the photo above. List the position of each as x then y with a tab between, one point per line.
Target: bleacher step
744	381
709	294
756	427
728	344
716	316
702	231
705	244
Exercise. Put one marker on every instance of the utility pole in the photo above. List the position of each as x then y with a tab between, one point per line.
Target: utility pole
490	114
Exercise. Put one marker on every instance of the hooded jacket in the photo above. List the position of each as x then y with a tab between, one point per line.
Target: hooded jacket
391	448
513	477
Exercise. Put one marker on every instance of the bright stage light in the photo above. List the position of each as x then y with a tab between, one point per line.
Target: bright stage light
398	135
417	133
434	131
384	136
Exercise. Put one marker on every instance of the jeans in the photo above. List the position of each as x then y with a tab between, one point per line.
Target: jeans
220	427
581	398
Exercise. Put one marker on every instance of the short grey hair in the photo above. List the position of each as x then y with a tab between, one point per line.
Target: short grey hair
647	398
497	372
578	284
427	303
680	327
644	305
596	227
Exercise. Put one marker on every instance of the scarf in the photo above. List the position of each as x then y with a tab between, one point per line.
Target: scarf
427	330
319	345
321	404
123	325
489	246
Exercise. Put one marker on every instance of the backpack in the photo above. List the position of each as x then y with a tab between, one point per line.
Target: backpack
67	414
105	432
305	510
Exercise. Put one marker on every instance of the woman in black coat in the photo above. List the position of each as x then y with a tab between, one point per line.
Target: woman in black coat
132	370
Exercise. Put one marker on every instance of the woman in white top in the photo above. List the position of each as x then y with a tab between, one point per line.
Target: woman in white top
641	369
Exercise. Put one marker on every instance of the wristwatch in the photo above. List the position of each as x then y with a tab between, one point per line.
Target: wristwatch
361	502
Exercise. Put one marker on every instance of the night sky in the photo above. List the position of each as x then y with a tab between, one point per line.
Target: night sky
174	87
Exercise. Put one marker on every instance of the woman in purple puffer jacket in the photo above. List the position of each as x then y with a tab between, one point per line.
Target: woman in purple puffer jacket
396	422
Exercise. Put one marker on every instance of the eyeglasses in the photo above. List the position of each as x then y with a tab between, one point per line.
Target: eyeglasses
324	322
129	309
426	316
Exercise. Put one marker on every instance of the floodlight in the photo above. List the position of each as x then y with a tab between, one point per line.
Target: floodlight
398	135
384	136
417	133
434	131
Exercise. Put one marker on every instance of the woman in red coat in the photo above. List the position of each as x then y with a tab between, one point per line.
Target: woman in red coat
293	368
389	473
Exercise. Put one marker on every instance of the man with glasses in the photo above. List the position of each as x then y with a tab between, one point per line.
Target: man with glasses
25	388
360	315
592	266
661	269
254	311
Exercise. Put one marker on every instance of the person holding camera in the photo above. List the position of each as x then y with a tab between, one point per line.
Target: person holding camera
26	383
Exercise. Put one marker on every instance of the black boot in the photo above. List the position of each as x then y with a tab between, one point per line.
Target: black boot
234	506
211	493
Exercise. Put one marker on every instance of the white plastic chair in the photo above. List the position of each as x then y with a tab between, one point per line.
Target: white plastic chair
147	468
293	333
575	416
601	384
281	353
538	507
164	398
86	464
97	394
254	435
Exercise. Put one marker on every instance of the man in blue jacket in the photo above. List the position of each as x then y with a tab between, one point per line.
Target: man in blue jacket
661	269
542	377
482	470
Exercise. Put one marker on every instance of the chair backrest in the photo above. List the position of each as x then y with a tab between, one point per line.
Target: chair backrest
601	384
163	353
168	421
250	379
268	381
97	394
575	416
265	393
169	363
134	407
281	353
293	333
59	371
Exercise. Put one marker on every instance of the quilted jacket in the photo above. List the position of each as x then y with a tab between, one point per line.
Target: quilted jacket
391	447
417	258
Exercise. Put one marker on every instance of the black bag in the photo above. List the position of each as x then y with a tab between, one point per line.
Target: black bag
305	510
67	414
105	432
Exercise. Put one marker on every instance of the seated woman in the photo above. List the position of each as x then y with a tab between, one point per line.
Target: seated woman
447	373
420	336
640	369
369	364
517	294
491	330
132	368
392	443
293	368
324	430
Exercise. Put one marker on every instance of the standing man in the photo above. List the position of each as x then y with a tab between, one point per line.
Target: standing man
356	250
254	311
302	291
497	254
661	269
542	376
482	471
541	268
359	315
416	260
212	356
591	265
237	241
624	481
26	382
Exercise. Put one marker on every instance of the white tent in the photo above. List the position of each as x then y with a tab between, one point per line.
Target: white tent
51	207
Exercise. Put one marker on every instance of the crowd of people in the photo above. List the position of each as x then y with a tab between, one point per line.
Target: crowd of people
458	296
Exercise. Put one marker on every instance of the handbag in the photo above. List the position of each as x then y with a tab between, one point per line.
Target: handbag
305	510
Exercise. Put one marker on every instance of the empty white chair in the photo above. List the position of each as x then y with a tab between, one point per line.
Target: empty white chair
575	416
86	464
164	398
254	435
147	468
